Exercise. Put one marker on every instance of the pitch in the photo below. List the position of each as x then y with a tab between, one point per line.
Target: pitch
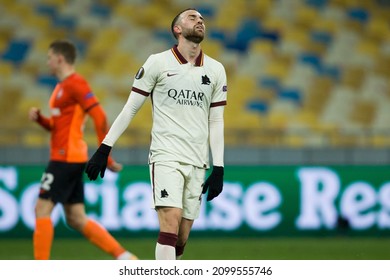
340	248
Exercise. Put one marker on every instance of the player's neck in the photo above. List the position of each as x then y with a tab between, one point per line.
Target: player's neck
189	50
65	73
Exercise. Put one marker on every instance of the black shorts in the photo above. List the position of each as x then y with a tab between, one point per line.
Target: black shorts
63	182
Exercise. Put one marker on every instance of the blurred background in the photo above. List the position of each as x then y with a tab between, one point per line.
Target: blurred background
306	126
308	80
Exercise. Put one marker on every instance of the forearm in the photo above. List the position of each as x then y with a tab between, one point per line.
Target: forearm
216	126
133	104
44	122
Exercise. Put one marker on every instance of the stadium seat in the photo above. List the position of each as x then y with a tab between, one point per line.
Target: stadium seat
16	51
35	138
363	113
292	94
212	48
6	69
317	95
278	68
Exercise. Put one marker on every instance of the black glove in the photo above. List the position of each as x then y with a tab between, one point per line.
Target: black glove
214	183
98	162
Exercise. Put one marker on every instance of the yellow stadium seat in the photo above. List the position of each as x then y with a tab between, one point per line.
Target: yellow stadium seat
259	9
118	63
297	36
325	25
33	138
380	141
212	48
317	95
378	28
19	9
305	17
229	16
278	68
57	3
363	113
42	23
382	66
264	47
353	77
369	48
6	69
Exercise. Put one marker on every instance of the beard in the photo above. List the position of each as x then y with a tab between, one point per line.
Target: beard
193	35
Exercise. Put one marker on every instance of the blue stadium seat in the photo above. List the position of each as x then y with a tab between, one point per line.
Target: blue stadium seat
359	14
66	22
259	106
47	80
311	59
47	10
319	4
100	10
217	34
291	94
165	35
206	10
16	51
331	71
245	33
269	83
322	37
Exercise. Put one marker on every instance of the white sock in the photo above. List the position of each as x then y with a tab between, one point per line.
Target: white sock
126	256
165	252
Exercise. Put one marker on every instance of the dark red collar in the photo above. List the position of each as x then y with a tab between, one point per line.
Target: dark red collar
182	60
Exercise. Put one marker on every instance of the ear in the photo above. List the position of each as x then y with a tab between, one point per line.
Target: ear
60	58
177	29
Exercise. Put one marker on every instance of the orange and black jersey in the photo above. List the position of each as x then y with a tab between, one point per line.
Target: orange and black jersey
70	102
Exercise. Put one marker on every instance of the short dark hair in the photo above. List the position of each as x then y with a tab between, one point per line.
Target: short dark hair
176	18
66	48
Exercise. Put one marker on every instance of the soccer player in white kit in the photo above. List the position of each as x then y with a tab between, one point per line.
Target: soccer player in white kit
188	90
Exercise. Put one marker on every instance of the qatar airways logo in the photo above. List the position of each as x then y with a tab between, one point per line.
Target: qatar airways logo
187	97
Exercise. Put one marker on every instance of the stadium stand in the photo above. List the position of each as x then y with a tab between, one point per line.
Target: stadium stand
301	73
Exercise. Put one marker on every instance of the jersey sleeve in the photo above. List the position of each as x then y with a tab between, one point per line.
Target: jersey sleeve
82	93
219	97
147	76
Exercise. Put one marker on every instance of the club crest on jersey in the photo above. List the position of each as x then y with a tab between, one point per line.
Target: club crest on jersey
205	80
59	94
140	73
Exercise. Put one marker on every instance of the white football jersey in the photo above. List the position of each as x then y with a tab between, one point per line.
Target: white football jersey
181	95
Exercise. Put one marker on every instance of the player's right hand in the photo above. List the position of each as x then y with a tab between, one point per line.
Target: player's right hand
98	162
115	166
33	114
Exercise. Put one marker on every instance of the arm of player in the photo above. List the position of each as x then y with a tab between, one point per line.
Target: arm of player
214	183
217	143
98	162
35	115
101	127
133	104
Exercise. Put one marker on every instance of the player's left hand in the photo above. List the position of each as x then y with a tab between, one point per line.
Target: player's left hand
114	166
214	183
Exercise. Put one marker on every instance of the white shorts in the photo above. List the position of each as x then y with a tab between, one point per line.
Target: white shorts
177	185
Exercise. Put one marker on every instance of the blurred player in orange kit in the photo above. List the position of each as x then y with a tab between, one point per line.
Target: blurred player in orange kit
62	182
